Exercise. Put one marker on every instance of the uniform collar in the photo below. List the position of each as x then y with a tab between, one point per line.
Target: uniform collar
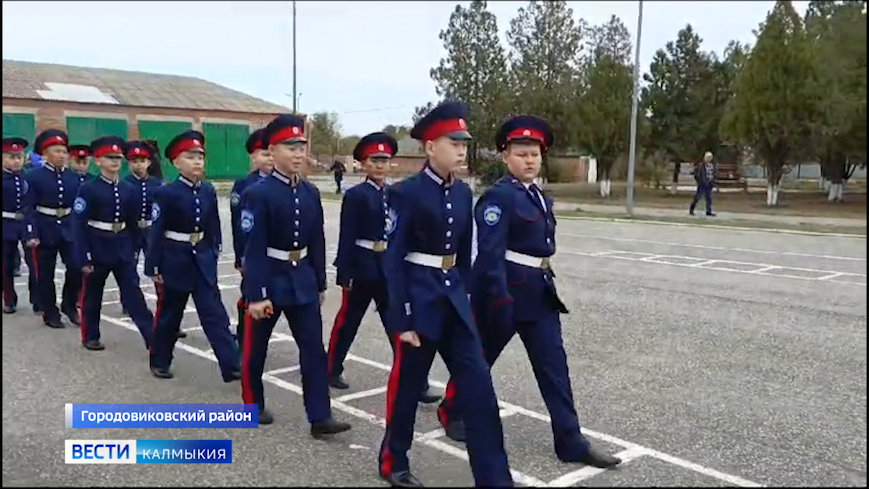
189	183
292	181
527	186
49	166
139	178
110	182
437	179
375	184
11	172
261	174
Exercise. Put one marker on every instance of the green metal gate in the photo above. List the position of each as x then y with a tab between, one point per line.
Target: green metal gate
20	126
83	130
163	132
226	155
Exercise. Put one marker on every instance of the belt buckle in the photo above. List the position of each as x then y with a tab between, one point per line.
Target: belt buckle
117	227
143	223
448	262
295	256
19	216
544	263
59	212
379	247
195	237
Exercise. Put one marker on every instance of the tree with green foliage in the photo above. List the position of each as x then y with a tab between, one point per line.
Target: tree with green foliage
776	103
398	132
838	31
474	71
325	137
420	111
604	104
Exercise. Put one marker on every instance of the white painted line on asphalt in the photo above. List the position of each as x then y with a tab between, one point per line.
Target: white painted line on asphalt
192	328
588	471
832	275
433	434
761	270
284	370
362	394
703	263
713	247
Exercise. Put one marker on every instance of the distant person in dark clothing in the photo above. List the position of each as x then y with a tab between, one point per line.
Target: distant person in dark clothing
338	169
154	168
704	174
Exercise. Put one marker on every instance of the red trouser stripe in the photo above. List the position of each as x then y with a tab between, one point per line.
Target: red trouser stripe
246	391
391	392
340	319
159	289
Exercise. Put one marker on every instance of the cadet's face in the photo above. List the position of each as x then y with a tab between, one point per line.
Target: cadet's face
56	154
13	161
707	158
79	165
377	168
191	164
139	165
110	164
523	161
446	153
262	160
289	157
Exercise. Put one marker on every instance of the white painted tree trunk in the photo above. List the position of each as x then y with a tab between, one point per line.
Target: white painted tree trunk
772	194
673	186
824	184
605	187
836	191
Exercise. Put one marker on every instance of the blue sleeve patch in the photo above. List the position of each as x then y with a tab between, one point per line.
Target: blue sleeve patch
391	221
492	214
79	205
24	186
234	199
246	221
155	211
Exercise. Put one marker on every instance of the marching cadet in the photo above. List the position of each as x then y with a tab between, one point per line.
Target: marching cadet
362	239
285	273
261	166
78	161
14	193
513	287
427	263
107	234
139	158
182	259
48	226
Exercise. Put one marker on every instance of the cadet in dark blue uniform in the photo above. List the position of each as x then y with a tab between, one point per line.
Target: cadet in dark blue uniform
79	158
15	189
182	259
261	166
365	225
285	273
139	158
513	289
427	263
48	226
106	234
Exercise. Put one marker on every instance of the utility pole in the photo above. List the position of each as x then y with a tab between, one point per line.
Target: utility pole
295	97
632	154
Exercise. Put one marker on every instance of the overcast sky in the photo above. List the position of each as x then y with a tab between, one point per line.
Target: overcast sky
368	61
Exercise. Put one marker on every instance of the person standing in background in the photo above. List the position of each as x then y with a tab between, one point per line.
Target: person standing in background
704	175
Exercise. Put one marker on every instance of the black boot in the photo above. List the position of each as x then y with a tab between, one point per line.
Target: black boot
337	382
429	397
161	373
403	479
596	458
181	335
54	323
233	376
328	427
94	345
9	309
72	314
265	417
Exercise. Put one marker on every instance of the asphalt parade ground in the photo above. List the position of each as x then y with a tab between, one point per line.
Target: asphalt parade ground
702	357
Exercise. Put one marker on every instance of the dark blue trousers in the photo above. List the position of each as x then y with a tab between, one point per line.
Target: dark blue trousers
11	259
132	299
354	304
461	351
306	325
212	315
704	191
32	272
46	260
543	342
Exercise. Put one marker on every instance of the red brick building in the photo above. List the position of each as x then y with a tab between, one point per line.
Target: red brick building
91	102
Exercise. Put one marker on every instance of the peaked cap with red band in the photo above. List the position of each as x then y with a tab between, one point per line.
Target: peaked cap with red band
79	151
524	128
49	137
185	141
108	145
285	128
447	119
255	141
376	144
137	149
14	145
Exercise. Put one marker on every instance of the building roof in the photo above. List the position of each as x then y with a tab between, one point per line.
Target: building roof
43	81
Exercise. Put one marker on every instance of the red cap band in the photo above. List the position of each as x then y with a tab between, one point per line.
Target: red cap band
108	150
137	152
51	142
286	133
183	146
375	148
79	153
12	148
526	133
443	127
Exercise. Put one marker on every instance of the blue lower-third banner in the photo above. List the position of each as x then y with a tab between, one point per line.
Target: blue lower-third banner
148	452
162	416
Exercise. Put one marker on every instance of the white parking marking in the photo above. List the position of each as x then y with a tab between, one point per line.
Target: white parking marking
284	370
362	394
588	471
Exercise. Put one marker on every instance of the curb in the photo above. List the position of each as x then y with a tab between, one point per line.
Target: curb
713	226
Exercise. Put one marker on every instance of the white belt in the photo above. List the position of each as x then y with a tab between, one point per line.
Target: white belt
290	256
144	223
526	260
52	211
13	215
444	262
114	227
185	237
375	246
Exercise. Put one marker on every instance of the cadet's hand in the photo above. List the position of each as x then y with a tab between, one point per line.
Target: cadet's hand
87	269
158	279
410	337
322	297
261	309
32	243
